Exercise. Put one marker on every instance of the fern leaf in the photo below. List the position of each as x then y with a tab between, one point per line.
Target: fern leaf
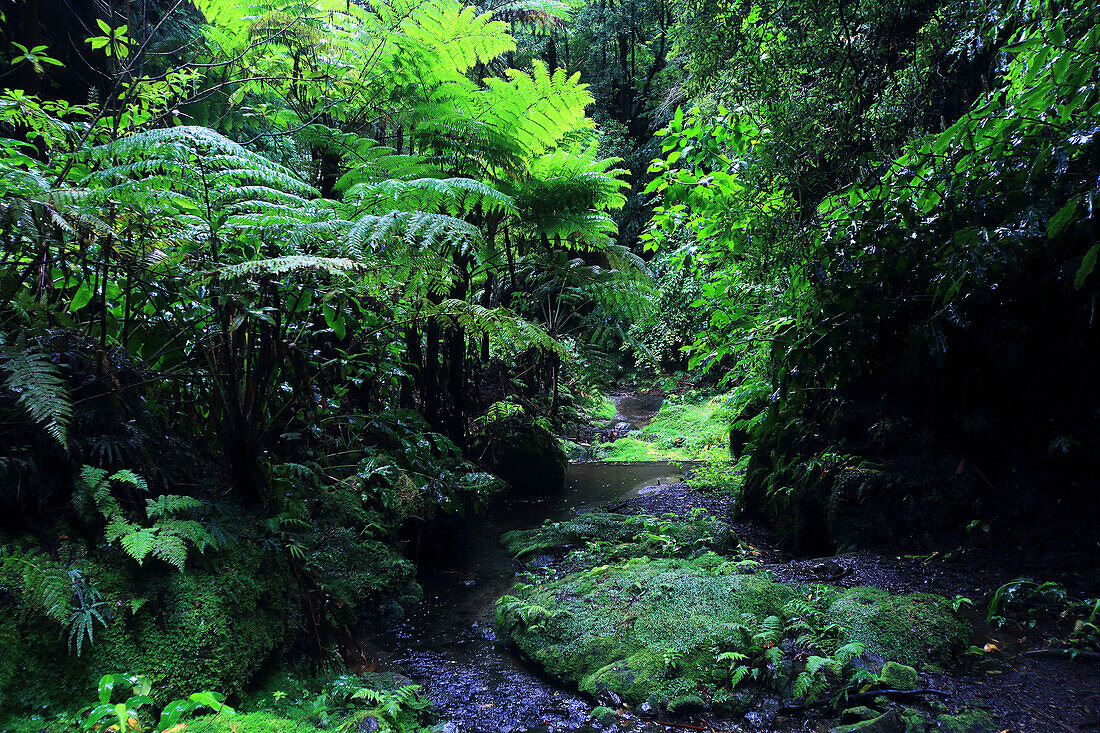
39	389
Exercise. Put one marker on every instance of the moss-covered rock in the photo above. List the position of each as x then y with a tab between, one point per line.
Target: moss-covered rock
917	630
654	629
203	629
644	630
888	722
604	715
895	676
968	721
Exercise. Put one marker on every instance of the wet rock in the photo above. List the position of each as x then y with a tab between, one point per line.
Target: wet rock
895	676
858	715
604	716
647	710
367	724
623	427
731	704
886	723
763	716
828	569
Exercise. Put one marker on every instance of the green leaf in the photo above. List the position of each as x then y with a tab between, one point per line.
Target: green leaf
1088	264
1058	222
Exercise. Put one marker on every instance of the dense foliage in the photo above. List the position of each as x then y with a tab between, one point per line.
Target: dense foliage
285	282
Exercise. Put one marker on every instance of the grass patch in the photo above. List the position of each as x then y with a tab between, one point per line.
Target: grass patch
684	429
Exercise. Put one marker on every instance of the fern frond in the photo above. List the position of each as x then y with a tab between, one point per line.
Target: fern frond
38	387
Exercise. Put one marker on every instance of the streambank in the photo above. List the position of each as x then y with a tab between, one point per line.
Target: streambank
611	623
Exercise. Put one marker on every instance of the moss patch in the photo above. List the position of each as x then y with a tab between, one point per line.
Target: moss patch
916	630
683	429
604	536
643	630
659	628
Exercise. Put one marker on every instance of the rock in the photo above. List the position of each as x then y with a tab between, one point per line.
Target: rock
367	724
732	704
686	704
828	569
914	721
647	710
623	427
895	676
858	714
604	716
916	630
968	721
886	723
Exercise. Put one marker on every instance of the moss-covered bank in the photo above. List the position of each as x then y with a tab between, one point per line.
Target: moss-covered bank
693	629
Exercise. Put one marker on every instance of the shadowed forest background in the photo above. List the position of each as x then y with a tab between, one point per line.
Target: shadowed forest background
295	293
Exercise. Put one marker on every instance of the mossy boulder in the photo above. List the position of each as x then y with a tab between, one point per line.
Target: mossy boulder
967	721
651	630
645	631
895	676
888	722
916	630
203	629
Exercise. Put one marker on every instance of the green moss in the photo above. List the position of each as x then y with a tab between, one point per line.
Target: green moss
687	704
683	429
629	448
914	721
917	630
895	676
644	630
602	537
886	723
604	715
205	629
599	407
969	721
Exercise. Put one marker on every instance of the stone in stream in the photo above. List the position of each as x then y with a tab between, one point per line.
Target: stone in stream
623	427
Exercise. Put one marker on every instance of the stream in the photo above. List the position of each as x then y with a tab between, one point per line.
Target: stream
447	643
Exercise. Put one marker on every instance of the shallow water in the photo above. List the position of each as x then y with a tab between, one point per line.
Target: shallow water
447	644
